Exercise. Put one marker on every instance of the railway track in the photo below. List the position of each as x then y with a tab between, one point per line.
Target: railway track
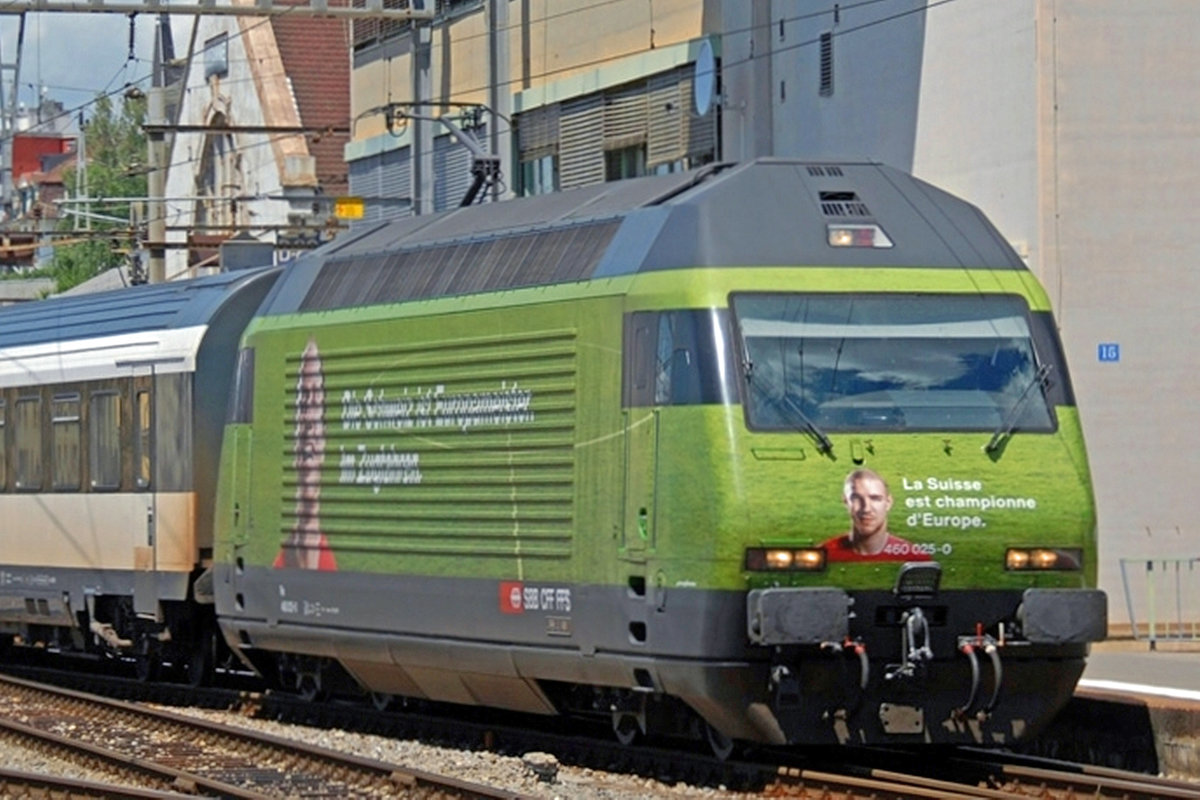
966	773
14	783
825	773
166	752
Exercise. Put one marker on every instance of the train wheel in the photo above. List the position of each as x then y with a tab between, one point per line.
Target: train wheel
309	687
198	668
626	728
146	661
722	745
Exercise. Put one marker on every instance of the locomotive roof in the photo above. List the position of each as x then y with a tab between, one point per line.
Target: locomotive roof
770	212
151	307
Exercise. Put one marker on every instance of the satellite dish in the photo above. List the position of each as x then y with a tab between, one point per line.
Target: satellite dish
704	78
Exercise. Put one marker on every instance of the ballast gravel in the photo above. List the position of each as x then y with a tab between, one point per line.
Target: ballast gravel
536	775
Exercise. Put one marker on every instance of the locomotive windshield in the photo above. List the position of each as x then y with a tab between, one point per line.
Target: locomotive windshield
838	362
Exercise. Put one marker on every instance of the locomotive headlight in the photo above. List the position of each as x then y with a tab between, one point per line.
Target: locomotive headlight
785	559
779	559
857	236
1043	558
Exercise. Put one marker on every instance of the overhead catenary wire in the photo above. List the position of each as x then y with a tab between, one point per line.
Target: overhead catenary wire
451	99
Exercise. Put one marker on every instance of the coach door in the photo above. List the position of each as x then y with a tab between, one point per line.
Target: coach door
641	460
640	417
240	468
145	594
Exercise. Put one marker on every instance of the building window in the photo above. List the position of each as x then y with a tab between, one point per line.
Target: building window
216	57
143	443
626	162
539	176
65	436
219	178
27	422
104	441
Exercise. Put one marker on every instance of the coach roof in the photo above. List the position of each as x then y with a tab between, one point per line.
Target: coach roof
152	307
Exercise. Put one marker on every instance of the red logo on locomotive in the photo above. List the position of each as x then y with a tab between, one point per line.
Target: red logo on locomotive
511	597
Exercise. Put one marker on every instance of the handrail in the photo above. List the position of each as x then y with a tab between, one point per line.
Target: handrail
1179	579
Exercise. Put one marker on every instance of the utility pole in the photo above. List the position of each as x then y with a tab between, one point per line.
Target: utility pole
422	175
81	178
500	95
9	103
156	182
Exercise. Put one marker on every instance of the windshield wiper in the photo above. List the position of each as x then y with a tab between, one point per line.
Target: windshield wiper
824	444
1010	420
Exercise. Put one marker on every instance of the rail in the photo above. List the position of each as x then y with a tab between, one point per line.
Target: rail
1171	588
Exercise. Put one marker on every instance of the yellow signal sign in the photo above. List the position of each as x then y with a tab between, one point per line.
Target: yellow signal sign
349	208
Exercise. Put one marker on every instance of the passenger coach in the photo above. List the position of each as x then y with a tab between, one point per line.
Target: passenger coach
111	409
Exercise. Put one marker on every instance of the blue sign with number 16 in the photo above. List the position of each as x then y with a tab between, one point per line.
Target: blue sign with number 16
1109	351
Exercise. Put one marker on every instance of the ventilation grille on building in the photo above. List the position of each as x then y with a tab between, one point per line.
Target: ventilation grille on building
818	171
510	262
826	64
843	204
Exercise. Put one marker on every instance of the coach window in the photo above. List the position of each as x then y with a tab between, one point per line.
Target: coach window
3	446
104	441
65	436
142	442
27	430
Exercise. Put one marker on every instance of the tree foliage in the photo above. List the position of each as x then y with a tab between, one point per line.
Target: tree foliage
115	146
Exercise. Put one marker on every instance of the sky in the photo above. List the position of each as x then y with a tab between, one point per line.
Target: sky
75	57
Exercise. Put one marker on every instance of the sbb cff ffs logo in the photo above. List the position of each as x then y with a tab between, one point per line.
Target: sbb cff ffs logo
517	598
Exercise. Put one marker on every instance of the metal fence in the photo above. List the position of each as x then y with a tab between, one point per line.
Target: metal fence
1169	593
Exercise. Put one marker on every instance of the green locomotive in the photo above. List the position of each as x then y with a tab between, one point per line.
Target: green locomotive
782	452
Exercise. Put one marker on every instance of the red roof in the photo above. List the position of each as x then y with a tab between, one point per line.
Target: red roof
316	56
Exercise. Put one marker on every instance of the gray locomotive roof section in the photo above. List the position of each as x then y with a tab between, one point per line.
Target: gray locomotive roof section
599	201
475	223
175	304
769	212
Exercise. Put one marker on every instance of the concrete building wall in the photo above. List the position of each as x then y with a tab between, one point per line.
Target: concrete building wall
1120	220
866	110
976	124
1073	124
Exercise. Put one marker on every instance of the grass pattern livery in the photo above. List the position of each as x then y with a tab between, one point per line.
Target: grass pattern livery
779	452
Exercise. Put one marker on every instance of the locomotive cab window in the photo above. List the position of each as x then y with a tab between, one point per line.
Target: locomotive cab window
104	441
65	436
872	362
681	357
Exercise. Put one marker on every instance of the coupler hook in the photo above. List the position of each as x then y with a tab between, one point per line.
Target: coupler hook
914	645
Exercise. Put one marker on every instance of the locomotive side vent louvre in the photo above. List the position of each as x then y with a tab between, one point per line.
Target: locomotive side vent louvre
510	262
450	447
843	204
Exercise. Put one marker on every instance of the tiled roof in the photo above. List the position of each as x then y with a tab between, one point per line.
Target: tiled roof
316	55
